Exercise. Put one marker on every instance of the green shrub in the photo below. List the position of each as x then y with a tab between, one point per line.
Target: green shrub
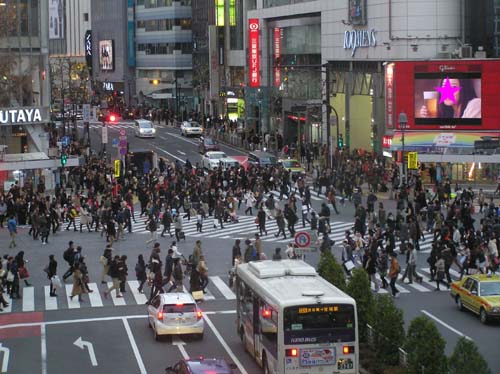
331	270
466	359
359	289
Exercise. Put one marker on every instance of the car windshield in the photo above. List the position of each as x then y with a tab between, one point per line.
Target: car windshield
194	124
217	156
209	141
179	308
145	125
490	288
267	160
291	164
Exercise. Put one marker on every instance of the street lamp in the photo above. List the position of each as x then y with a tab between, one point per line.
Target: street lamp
403	121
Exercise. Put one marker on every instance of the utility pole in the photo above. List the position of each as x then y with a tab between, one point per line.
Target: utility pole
329	160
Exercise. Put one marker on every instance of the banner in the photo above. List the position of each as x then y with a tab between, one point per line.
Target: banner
254	56
56	19
277	56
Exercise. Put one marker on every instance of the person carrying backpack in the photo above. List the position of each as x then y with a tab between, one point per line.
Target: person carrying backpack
69	257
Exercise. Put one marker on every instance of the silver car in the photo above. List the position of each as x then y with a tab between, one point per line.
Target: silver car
191	128
144	128
175	313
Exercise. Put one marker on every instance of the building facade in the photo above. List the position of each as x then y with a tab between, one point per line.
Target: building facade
164	54
352	39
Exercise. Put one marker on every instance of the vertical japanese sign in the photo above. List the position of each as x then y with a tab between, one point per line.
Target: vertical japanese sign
254	57
389	96
277	56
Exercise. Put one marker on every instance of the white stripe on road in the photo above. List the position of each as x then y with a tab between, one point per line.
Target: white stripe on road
28	299
224	344
140	298
445	324
118	301
50	302
176	340
94	297
418	287
223	288
72	304
133	344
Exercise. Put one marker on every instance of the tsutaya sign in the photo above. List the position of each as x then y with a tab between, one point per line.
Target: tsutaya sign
359	39
23	116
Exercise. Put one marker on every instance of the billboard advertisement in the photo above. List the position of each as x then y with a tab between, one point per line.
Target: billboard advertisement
106	55
254	56
56	19
437	95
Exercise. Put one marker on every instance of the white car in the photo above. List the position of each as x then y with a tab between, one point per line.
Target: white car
144	128
189	128
175	313
212	160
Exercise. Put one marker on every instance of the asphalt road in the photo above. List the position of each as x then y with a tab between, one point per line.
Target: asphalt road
40	332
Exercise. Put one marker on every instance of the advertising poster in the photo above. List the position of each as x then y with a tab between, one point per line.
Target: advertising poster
254	56
106	55
56	19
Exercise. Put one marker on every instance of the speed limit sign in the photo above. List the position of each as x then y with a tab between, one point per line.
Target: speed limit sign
302	239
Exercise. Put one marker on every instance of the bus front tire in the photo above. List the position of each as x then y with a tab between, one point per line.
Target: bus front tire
265	367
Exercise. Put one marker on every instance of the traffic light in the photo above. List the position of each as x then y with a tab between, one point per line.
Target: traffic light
64	159
155	82
112	118
340	141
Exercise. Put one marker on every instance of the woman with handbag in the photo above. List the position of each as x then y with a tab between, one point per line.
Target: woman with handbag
22	269
51	273
13	279
78	283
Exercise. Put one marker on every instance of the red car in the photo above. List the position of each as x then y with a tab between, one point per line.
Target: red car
207	144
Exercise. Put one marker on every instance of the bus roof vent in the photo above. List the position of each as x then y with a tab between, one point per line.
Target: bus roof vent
273	269
313	293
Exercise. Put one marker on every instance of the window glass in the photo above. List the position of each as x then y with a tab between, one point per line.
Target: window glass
179	308
156	302
468	283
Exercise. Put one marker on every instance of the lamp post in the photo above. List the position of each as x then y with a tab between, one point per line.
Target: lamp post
403	120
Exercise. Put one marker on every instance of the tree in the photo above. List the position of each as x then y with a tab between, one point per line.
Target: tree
425	348
467	359
389	324
330	269
359	289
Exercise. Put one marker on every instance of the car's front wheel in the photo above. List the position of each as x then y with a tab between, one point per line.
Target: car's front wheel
483	316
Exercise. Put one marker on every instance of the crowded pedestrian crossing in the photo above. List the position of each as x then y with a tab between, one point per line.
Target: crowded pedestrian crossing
37	298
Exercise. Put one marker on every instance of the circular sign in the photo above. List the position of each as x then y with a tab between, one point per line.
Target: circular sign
123	132
253	26
302	239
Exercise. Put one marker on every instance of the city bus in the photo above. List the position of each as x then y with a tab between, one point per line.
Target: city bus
292	321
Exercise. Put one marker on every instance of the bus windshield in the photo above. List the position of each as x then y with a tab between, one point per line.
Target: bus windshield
319	323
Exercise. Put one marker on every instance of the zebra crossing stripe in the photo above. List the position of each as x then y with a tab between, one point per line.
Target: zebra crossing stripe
118	301
140	298
223	288
95	297
50	302
28	299
72	304
418	287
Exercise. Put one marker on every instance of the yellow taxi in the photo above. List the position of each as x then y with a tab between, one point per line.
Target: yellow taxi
480	294
292	165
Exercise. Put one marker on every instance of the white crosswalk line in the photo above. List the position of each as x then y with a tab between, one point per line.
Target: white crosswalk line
50	302
418	287
28	299
140	298
208	295
426	280
401	288
94	297
223	288
72	304
6	309
118	301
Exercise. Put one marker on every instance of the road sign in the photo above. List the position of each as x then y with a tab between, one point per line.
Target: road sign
86	112
104	135
117	168
412	160
123	132
65	141
302	239
115	142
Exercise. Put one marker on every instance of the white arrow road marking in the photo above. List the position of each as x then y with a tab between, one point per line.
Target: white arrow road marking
182	153
82	344
5	360
180	344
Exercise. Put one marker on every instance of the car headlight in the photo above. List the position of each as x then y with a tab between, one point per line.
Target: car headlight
495	309
154	131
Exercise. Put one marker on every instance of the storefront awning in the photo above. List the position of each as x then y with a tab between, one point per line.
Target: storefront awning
436	142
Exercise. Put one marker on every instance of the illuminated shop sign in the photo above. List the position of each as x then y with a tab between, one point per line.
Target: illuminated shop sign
254	57
355	39
23	116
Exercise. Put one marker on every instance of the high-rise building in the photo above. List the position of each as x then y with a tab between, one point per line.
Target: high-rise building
164	54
